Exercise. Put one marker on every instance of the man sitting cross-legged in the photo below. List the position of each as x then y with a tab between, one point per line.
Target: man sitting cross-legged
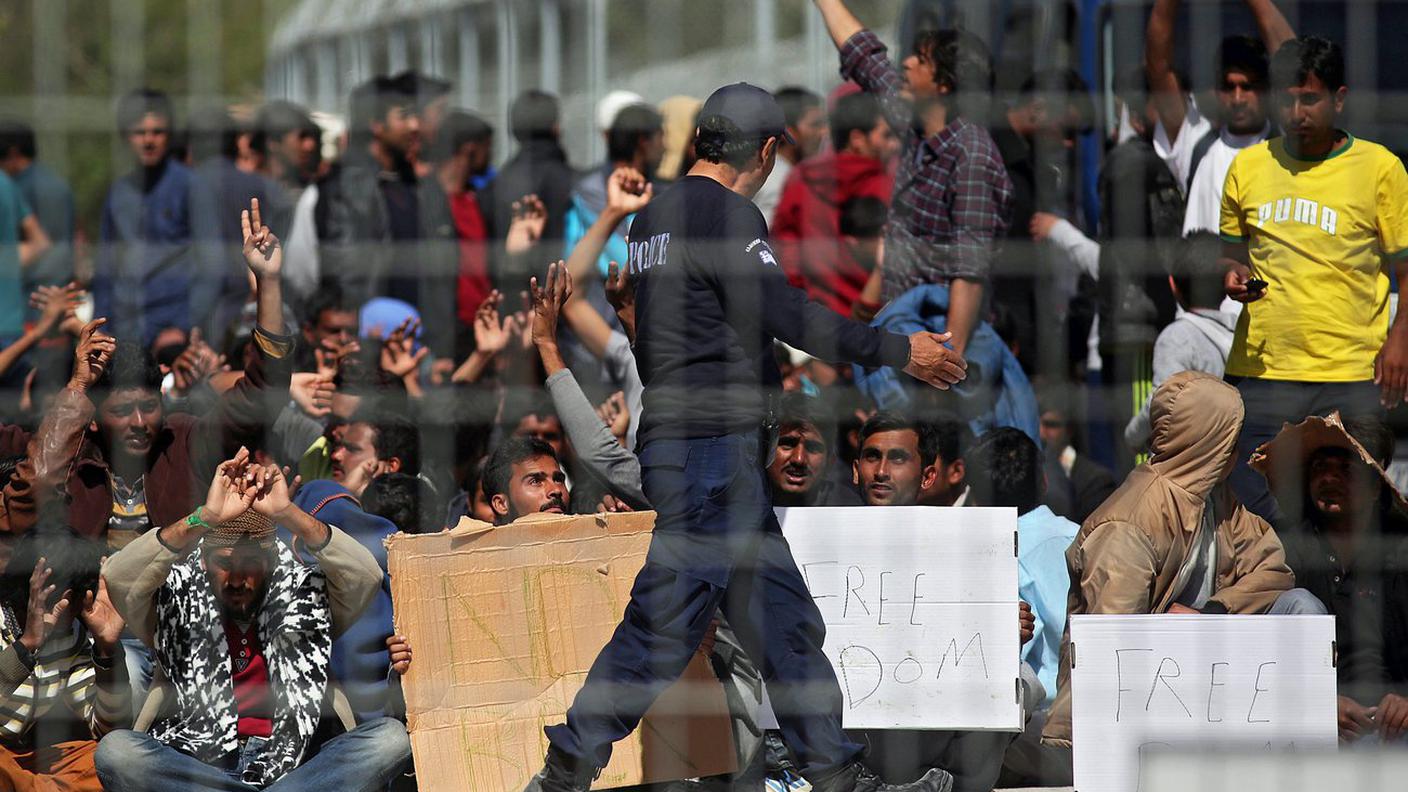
244	632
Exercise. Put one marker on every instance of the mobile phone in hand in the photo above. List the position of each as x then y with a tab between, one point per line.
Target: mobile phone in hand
1256	285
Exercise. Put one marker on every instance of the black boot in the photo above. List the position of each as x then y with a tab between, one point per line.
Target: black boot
856	777
561	773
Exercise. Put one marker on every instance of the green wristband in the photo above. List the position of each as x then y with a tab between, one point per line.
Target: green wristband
196	521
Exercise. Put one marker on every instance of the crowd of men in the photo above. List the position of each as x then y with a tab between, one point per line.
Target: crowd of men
309	354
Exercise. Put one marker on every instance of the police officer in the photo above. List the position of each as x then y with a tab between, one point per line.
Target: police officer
710	300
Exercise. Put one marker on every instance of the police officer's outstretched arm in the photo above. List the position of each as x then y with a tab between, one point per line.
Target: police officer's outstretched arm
931	361
789	316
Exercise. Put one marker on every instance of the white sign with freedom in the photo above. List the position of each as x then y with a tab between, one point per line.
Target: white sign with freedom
1143	684
920	605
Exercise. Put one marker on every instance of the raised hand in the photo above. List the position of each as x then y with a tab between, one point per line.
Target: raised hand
262	251
56	305
312	392
272	499
40	620
397	357
332	356
931	361
91	357
621	293
628	191
491	334
103	621
548	301
616	415
530	216
232	490
195	364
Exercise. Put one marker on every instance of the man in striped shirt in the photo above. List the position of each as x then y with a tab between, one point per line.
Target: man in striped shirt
63	684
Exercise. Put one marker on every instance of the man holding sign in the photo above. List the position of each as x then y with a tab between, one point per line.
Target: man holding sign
710	301
1173	538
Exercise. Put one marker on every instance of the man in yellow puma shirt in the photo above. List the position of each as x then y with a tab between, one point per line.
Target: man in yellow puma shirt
1311	223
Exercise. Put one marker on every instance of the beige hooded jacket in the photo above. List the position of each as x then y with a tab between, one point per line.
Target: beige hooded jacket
1132	554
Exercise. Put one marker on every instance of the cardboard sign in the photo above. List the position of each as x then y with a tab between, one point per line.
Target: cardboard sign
1146	683
504	623
920	605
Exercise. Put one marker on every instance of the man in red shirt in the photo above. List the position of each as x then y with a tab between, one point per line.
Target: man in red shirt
807	226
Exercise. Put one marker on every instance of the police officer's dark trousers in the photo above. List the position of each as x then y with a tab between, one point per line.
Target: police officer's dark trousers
717	545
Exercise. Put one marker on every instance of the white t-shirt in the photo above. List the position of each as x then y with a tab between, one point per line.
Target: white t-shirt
1205	193
1178	155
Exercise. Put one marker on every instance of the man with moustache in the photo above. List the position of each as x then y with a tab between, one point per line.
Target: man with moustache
800	470
523	477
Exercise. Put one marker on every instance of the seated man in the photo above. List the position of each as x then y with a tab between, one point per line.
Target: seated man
800	472
244	633
63	684
523	477
906	462
1007	471
899	459
1173	538
1346	538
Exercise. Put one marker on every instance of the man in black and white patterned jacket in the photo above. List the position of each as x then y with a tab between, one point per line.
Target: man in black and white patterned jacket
244	634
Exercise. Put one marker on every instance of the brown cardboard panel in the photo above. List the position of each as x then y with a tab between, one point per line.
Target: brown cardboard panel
504	623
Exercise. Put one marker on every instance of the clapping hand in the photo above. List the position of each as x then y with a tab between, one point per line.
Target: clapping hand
547	302
491	334
530	217
232	490
56	306
41	619
103	621
397	356
312	392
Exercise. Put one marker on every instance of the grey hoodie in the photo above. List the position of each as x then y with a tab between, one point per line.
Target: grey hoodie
1196	340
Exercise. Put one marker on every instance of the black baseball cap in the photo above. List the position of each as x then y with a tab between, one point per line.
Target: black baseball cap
750	108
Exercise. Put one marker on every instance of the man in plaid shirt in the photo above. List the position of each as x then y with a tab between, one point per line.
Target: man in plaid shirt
952	193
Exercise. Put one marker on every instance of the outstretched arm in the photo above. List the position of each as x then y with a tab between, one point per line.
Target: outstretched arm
840	22
1275	29
1165	91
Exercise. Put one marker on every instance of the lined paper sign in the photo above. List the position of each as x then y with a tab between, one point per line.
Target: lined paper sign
920	605
1142	684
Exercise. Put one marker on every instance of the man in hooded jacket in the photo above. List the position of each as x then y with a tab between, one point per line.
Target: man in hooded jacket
1173	538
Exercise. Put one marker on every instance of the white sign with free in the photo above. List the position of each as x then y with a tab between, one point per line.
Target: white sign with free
1145	683
920	605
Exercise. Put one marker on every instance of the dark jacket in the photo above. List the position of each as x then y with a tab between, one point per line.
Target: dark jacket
370	253
1141	215
540	167
142	272
48	454
186	450
1368	598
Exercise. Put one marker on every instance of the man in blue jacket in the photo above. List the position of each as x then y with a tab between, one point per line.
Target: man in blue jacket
142	275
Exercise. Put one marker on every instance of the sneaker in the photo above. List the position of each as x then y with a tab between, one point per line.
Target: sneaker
559	775
856	777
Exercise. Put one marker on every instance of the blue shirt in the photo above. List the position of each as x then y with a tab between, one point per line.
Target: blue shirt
142	275
1044	581
13	211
